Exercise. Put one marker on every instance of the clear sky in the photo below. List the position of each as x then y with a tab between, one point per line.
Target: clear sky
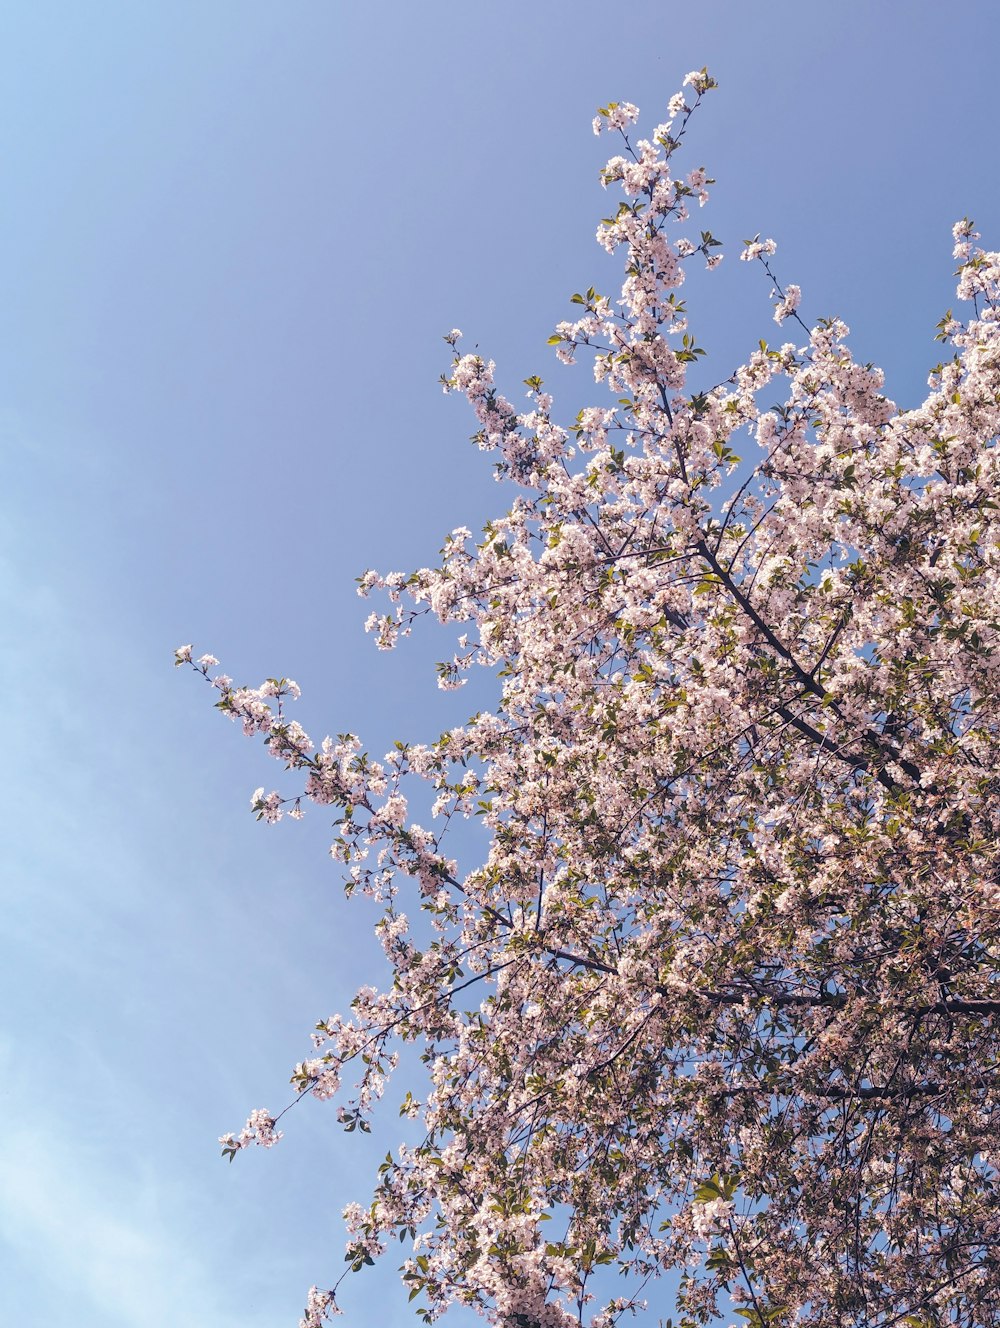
234	233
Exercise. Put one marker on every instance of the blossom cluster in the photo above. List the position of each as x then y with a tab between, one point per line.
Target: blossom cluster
321	1306
259	1129
721	995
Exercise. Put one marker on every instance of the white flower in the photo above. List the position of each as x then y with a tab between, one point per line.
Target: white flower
788	303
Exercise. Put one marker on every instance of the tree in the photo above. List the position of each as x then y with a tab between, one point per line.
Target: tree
731	957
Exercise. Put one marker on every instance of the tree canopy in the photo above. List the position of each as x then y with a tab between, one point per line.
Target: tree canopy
721	999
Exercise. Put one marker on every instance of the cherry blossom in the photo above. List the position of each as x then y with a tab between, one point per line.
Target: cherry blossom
720	997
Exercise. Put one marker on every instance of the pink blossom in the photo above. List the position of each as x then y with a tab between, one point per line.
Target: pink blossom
787	304
756	249
714	993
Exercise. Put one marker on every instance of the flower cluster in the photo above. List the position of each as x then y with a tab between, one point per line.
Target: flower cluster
259	1129
320	1308
787	303
721	995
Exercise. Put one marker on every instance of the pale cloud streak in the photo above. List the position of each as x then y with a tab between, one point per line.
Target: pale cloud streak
123	1255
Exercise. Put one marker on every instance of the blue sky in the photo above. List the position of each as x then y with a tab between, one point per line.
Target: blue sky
233	235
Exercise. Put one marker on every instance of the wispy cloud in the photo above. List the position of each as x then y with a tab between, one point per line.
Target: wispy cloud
106	1247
